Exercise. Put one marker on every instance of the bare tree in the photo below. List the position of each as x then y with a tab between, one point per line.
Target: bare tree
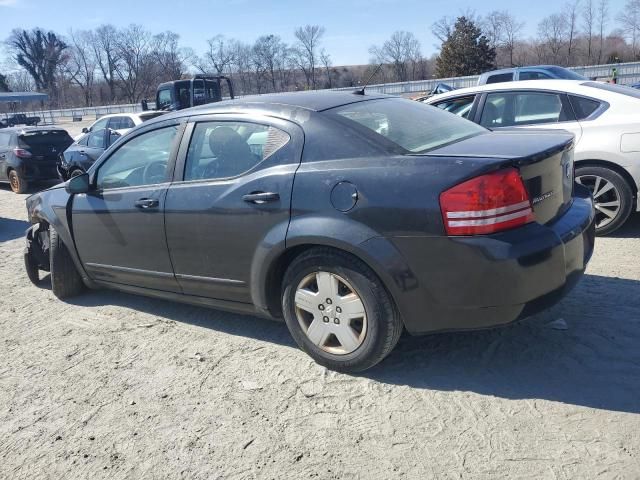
219	57
602	18
81	65
571	13
104	44
41	54
325	59
503	31
511	30
168	55
401	52
442	28
629	19
267	51
134	48
588	25
306	51
552	34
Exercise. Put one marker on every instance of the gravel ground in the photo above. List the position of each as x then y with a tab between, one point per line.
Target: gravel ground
110	385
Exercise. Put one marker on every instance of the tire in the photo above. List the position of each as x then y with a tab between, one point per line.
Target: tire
65	280
615	190
75	172
374	334
17	182
31	266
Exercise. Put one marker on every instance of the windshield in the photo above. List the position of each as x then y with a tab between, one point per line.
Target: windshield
565	74
414	126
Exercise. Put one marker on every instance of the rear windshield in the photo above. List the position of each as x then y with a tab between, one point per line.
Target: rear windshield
413	126
612	87
38	140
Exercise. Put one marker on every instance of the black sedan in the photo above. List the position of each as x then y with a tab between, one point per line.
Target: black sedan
351	216
81	154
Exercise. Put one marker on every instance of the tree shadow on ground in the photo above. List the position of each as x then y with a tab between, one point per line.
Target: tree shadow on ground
11	229
595	362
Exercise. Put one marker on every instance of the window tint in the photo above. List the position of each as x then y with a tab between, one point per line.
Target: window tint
100	124
494	113
583	107
42	141
527	108
96	139
459	106
534	108
500	77
565	73
125	122
533	76
413	126
140	161
228	149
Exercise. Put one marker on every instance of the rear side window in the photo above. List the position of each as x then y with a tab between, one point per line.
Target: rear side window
500	77
583	107
228	149
460	106
41	141
413	126
507	109
533	76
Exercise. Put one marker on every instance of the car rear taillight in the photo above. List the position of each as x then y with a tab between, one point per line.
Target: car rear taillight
487	204
21	153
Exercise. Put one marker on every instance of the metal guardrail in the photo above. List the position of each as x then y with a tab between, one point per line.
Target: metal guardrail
627	73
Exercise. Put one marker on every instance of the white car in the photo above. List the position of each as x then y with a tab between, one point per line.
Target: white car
604	118
120	122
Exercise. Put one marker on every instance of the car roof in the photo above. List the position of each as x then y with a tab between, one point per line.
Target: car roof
32	129
578	87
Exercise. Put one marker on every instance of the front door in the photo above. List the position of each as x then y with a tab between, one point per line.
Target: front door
234	197
119	227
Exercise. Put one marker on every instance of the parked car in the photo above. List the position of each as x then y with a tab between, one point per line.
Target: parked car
120	122
400	216
605	119
81	154
29	154
538	72
21	119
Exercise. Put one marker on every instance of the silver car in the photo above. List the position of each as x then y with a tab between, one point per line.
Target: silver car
604	118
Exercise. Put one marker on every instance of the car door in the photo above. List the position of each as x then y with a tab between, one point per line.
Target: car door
119	226
528	109
95	146
234	196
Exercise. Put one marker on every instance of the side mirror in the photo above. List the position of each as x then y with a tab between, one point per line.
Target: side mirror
78	184
85	130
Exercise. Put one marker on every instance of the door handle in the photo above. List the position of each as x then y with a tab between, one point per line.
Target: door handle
261	197
146	203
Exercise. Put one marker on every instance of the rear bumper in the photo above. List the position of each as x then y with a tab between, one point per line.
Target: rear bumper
477	282
39	171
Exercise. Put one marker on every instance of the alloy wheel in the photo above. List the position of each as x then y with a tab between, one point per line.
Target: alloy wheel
14	181
606	198
331	313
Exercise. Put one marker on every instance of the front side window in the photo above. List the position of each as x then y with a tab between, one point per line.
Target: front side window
84	141
96	139
460	106
228	149
100	124
140	161
412	126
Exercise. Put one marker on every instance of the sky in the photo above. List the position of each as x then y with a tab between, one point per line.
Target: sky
352	26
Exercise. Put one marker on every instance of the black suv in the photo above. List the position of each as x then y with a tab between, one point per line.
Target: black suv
29	154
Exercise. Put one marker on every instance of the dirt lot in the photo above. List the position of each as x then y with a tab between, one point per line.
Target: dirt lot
115	386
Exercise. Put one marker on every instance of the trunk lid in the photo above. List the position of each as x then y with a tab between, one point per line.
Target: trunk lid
45	145
544	159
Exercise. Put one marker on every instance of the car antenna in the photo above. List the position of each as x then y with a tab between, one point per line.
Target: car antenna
360	91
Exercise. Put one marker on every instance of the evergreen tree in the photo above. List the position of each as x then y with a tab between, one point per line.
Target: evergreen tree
4	86
465	51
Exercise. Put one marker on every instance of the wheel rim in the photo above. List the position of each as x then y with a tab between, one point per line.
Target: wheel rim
75	173
331	313
14	181
606	198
